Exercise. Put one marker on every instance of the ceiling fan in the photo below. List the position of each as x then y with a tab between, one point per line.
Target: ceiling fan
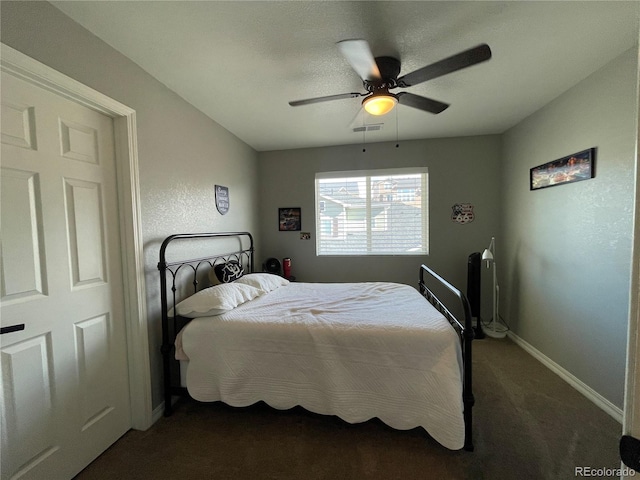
380	74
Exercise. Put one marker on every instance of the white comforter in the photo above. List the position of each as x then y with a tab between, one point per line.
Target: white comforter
355	350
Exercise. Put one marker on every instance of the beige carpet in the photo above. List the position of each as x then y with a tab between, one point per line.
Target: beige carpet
528	423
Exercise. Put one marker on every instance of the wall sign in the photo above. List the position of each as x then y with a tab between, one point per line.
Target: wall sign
462	213
222	199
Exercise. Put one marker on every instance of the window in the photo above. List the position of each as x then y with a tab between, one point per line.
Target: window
373	212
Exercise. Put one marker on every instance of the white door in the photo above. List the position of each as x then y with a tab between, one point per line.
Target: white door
64	390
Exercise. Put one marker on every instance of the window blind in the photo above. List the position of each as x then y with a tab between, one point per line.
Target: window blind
373	212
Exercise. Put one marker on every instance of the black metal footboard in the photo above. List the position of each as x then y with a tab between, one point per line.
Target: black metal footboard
465	332
194	268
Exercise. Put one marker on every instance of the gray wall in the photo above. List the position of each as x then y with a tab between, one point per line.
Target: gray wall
461	170
182	153
565	251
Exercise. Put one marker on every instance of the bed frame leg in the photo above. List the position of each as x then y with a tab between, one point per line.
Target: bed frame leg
166	352
168	409
468	437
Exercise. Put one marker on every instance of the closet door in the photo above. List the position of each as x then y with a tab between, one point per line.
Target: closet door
65	390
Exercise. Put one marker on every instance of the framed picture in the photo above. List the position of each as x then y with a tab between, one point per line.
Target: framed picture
569	169
289	219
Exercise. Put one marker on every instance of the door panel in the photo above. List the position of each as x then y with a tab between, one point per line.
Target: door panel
79	142
92	347
18	125
28	404
84	225
23	274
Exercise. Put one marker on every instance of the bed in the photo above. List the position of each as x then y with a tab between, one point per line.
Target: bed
353	350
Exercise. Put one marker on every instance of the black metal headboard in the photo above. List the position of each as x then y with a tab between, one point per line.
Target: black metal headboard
195	268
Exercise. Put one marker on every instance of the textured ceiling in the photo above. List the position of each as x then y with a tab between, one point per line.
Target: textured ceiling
240	62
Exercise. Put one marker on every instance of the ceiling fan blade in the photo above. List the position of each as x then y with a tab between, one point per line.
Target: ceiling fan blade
462	60
328	98
421	103
358	54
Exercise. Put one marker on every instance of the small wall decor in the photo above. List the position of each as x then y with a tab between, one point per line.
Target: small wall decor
305	235
289	219
222	199
569	169
462	213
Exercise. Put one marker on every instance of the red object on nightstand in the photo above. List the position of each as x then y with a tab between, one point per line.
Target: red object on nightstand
286	267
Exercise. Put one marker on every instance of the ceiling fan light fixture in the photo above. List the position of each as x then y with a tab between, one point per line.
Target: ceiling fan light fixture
380	103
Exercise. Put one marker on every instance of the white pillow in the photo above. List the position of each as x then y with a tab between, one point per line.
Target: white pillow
216	300
264	281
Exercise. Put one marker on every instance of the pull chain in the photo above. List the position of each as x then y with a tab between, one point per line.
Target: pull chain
397	144
364	133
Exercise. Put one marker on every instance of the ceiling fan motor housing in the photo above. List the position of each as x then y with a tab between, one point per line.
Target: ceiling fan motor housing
389	68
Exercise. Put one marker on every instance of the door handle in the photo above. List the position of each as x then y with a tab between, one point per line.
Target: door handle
630	452
12	328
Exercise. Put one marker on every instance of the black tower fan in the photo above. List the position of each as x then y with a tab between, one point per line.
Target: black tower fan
473	290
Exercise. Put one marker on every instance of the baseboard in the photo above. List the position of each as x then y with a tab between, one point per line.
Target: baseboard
157	413
583	388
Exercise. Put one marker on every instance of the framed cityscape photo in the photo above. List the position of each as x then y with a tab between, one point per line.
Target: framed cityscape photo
569	169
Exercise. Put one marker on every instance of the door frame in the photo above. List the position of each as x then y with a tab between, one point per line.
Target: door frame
131	242
631	417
